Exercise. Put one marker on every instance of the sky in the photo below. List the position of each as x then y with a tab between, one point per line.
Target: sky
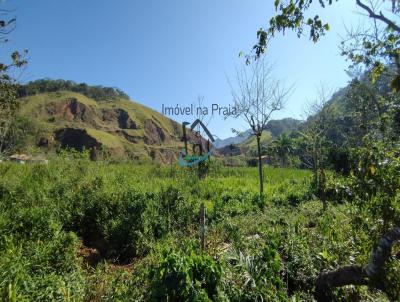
168	52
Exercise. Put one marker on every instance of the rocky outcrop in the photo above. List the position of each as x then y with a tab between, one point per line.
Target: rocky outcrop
154	134
128	137
108	115
118	116
124	120
70	110
78	139
117	128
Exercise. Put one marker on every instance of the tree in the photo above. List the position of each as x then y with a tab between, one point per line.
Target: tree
7	25
374	190
8	105
365	106
256	97
371	274
291	15
315	134
374	47
98	93
283	147
201	136
375	178
8	92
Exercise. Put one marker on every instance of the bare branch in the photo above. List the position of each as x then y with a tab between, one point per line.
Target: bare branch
379	16
256	97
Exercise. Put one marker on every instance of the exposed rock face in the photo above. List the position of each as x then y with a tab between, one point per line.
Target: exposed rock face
108	115
154	134
73	109
70	110
78	139
168	156
118	128
120	116
129	138
124	120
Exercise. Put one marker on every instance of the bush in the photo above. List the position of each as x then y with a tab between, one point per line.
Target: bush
255	276
41	270
186	277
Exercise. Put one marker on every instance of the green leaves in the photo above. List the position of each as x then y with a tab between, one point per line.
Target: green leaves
291	15
185	277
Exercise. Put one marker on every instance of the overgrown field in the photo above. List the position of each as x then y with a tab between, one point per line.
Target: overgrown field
75	230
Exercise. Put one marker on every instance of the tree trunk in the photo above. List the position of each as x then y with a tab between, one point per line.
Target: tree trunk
370	275
322	187
382	252
315	166
260	170
342	276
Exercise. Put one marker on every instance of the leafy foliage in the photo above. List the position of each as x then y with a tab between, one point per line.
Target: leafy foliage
99	93
186	277
139	225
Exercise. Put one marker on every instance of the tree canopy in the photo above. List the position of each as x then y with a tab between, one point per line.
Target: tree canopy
98	93
376	46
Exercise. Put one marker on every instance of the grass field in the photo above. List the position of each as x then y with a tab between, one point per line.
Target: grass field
75	230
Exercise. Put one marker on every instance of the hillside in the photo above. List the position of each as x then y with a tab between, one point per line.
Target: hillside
233	140
274	127
118	126
246	144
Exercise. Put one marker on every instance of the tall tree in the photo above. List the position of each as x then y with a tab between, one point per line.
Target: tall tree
374	47
8	93
256	97
283	147
366	108
376	177
292	15
320	120
8	106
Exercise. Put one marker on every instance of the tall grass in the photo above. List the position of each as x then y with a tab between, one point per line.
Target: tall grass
77	230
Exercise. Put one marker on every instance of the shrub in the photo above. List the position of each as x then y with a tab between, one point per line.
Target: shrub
41	270
186	277
255	276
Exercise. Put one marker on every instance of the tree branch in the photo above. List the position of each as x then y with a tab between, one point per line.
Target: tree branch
382	252
357	275
380	17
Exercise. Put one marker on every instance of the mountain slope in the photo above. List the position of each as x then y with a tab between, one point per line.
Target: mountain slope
234	140
119	127
273	129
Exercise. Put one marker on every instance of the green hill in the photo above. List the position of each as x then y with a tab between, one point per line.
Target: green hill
251	143
246	147
116	125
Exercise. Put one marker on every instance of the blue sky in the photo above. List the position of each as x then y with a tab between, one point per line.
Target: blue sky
170	51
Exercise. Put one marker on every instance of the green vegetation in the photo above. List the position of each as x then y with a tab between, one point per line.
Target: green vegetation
258	95
8	89
374	47
77	230
120	128
323	226
98	93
